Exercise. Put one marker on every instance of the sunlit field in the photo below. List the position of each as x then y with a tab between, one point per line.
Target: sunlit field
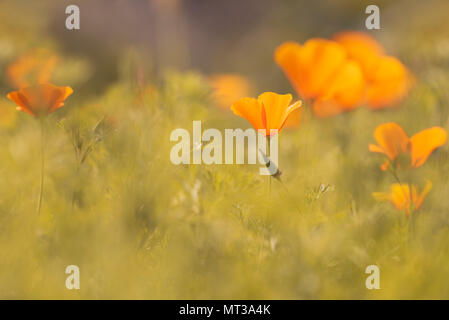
364	160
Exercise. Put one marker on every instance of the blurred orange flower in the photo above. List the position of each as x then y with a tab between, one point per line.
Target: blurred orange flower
41	99
320	70
388	80
341	74
33	67
228	88
401	197
394	143
269	111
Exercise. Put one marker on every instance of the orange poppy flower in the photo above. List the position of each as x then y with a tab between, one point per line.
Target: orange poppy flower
40	100
394	142
320	70
388	80
228	88
269	111
401	197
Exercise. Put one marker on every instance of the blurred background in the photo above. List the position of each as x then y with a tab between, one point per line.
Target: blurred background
213	36
140	227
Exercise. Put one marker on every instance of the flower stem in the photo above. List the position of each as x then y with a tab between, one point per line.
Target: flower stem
268	155
41	189
412	213
393	172
267	151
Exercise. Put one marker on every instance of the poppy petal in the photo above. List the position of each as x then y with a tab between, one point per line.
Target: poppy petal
310	67
400	196
392	140
424	143
61	93
289	113
17	99
361	47
344	93
250	109
423	194
389	82
288	57
385	165
376	148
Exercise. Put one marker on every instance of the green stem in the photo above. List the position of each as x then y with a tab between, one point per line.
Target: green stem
412	213
289	195
78	166
41	189
269	177
393	172
268	155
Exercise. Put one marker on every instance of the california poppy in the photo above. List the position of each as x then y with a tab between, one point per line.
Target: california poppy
41	99
388	80
401	197
269	111
320	70
394	143
228	88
